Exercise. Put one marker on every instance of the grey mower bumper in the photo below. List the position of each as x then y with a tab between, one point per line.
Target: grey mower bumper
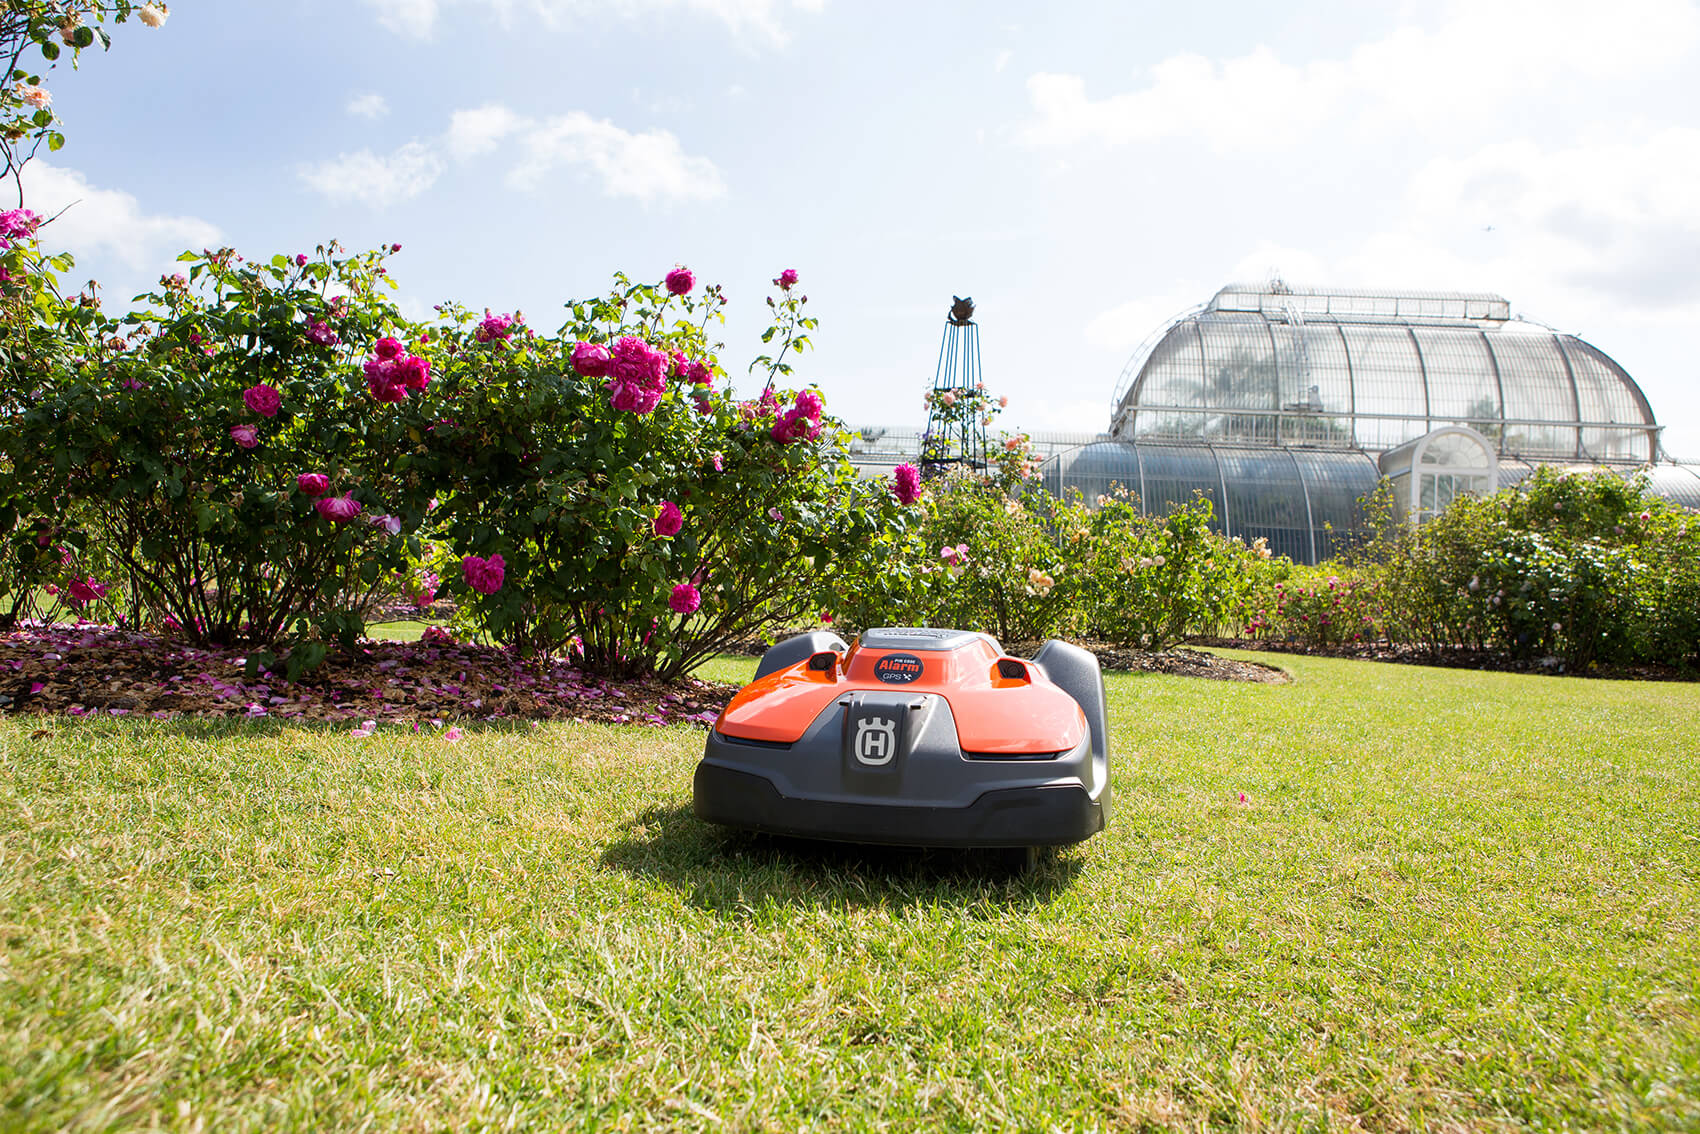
921	789
1053	815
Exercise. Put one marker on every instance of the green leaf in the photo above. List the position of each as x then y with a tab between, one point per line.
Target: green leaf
49	50
55	141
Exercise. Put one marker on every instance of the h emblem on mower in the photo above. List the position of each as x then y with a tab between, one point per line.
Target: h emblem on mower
876	741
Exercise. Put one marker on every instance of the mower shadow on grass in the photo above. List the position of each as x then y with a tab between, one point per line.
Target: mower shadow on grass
733	871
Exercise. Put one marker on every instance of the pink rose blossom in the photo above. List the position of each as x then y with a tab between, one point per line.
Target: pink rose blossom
389	523
669	521
245	435
685	599
83	591
37	97
591	359
948	397
338	509
263	399
301	259
698	374
318	331
388	348
416	371
494	328
906	484
787	279
483	575
637	376
313	483
680	281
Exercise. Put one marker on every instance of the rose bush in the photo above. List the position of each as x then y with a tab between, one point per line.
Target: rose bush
643	515
195	434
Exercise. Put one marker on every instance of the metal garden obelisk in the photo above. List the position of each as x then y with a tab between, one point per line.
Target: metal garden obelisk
956	425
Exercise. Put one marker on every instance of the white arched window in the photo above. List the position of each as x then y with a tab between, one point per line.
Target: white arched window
1430	472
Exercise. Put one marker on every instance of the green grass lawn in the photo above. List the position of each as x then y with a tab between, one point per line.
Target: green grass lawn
1450	901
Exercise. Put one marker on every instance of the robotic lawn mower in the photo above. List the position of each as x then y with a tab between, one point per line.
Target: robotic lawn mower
913	737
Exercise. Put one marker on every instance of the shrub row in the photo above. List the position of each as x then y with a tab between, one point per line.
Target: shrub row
263	450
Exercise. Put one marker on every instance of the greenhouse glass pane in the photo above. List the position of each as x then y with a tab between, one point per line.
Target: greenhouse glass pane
1680	484
1316	388
1537	390
1172	376
1264	494
1174	472
1240	376
1604	394
1461	385
1387	379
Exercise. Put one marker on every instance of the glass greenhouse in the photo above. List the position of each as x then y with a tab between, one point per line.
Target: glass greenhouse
1286	405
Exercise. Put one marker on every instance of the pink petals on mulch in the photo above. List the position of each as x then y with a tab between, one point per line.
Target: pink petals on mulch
91	670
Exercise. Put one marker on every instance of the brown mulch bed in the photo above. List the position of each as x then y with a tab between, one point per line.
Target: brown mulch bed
94	670
1455	658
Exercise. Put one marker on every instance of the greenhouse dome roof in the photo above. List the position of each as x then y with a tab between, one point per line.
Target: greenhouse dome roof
1359	369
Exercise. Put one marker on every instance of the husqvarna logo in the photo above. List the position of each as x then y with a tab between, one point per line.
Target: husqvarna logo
876	740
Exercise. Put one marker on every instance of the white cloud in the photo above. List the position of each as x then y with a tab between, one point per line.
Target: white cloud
376	181
649	167
371	105
109	221
412	18
758	20
1483	55
474	132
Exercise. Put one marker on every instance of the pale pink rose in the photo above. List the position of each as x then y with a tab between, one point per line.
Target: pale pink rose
153	15
245	435
37	97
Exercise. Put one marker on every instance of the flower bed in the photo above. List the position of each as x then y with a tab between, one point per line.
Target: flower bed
93	670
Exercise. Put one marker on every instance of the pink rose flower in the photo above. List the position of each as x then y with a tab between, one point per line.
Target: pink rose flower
948	397
698	374
388	348
318	331
313	483
483	575
906	484
385	379
680	281
670	520
83	591
685	599
495	327
637	376
591	359
301	259
263	399
338	509
245	435
787	279
389	523
416	371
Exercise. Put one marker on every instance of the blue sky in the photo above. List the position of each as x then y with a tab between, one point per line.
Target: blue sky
1083	170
